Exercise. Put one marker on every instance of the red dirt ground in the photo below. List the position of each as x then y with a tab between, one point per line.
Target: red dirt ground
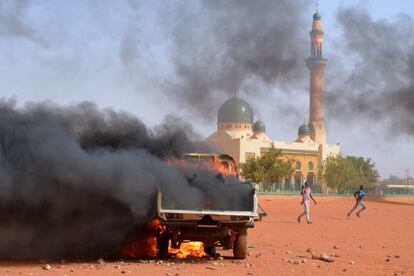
381	242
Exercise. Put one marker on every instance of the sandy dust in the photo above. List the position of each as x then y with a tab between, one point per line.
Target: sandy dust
381	242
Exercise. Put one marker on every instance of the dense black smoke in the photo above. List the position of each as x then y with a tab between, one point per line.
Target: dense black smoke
380	85
220	47
76	180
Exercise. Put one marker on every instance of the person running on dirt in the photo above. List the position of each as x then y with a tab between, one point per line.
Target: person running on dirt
306	197
359	195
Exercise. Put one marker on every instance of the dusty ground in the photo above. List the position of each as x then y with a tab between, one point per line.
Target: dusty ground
381	242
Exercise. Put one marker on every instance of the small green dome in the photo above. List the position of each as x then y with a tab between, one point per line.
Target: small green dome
317	16
259	126
304	129
235	110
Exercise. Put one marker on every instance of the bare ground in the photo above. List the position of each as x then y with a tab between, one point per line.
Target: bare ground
381	242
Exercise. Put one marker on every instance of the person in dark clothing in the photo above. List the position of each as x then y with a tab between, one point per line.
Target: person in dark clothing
359	195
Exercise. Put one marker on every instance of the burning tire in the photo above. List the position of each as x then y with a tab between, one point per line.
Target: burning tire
240	245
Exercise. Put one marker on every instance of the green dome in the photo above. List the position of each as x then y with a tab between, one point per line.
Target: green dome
304	130
259	126
235	110
317	16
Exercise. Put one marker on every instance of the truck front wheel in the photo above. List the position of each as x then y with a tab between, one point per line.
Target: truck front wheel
240	246
210	250
163	244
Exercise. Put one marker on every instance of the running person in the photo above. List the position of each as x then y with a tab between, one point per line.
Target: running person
306	197
359	195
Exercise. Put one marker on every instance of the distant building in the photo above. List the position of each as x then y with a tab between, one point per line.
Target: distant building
242	138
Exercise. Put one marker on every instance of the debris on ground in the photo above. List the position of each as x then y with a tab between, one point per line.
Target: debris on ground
47	267
326	258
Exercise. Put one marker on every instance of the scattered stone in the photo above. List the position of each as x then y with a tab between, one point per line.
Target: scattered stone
335	247
168	274
249	273
388	256
101	261
215	263
274	252
291	261
326	258
344	270
396	256
251	246
304	261
258	255
297	262
116	267
91	267
142	261
309	250
72	270
211	268
351	262
387	260
248	253
292	270
314	256
220	258
360	246
289	252
123	272
47	267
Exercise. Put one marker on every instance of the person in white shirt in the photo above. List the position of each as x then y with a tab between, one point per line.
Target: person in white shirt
306	197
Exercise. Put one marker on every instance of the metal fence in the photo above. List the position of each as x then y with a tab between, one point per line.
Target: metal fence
280	189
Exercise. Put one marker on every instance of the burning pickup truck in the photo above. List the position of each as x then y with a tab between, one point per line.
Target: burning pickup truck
220	219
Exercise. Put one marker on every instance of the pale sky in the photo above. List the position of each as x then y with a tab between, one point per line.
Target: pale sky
114	54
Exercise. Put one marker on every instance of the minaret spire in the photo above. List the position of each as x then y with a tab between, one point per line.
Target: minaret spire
316	64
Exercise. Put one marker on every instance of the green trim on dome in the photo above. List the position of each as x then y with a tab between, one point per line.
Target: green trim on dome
259	126
317	16
304	129
235	110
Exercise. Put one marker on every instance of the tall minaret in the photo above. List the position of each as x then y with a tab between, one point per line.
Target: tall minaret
316	64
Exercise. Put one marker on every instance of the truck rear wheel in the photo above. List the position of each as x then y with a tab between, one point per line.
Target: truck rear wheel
240	246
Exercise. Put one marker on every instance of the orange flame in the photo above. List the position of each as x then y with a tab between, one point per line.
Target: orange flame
188	249
144	242
222	167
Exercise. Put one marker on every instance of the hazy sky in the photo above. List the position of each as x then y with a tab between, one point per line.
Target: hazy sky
139	56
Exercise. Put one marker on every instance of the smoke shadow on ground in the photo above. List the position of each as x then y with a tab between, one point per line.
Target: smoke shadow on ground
386	200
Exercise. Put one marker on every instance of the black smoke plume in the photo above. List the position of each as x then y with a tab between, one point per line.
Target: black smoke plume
220	47
380	85
74	181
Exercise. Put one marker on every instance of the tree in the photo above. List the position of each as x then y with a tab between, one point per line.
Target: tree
340	172
267	169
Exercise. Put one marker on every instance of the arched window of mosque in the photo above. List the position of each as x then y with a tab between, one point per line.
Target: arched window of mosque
310	166
298	166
